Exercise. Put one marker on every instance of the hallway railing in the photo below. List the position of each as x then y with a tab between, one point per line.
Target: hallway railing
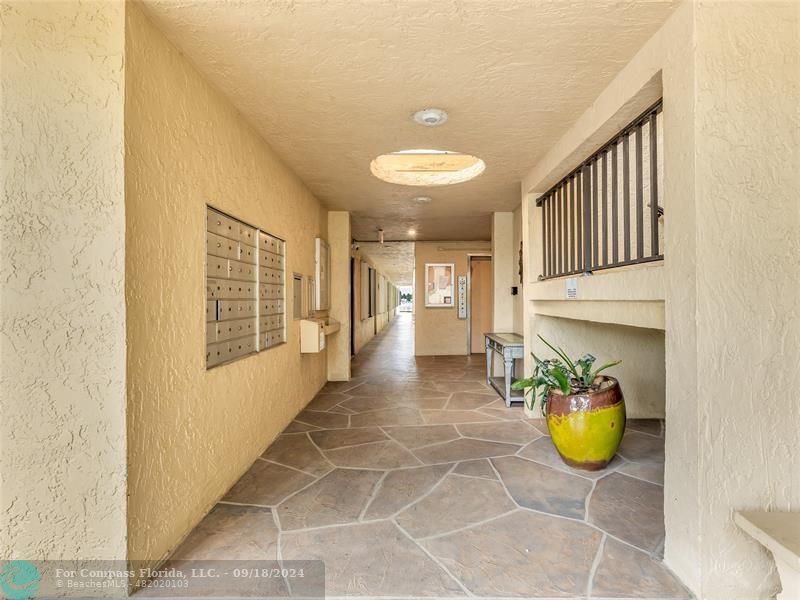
608	212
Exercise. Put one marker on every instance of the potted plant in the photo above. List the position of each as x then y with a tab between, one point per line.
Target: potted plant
585	410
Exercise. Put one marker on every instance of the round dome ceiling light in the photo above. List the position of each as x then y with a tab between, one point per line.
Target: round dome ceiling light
426	167
423	199
430	117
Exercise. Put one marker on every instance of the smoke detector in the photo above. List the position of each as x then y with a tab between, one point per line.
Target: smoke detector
430	117
423	199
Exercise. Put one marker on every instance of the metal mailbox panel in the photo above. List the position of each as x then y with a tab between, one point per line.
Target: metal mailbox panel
216	245
246	234
217	268
245	307
227	330
247	253
271	260
211	310
236	309
242	271
221	224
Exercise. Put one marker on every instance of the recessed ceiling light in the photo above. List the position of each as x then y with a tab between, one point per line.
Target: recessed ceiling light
423	199
412	232
430	117
426	167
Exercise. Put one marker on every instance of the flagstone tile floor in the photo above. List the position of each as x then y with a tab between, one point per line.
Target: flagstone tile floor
413	480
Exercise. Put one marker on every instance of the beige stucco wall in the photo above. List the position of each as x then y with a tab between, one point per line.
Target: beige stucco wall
439	330
730	77
747	160
365	329
193	432
518	306
503	270
338	344
62	305
642	372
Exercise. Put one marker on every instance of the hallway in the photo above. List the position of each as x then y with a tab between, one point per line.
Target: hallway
414	480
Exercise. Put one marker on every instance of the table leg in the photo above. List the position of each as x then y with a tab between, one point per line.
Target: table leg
488	365
509	369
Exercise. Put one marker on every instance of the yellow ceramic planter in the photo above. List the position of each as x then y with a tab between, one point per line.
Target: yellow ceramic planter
587	428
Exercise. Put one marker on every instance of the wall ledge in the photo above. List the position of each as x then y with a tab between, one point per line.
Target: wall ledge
645	314
636	283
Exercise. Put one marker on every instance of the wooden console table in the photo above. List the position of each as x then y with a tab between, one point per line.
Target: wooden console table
510	346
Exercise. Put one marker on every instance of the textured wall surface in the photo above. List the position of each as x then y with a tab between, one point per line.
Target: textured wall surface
747	160
365	329
62	306
642	372
338	344
365	66
439	330
193	432
517	301
731	80
503	270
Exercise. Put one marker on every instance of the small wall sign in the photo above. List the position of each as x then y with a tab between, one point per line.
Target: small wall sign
572	288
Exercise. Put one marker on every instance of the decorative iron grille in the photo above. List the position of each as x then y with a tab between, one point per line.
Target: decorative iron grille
608	212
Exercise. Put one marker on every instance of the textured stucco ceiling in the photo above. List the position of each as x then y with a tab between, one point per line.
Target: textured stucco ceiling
394	259
333	84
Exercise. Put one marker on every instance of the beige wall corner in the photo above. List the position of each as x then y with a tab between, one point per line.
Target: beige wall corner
62	303
731	278
747	280
338	344
439	330
517	275
503	270
193	432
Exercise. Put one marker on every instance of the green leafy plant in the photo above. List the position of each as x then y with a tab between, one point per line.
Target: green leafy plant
561	373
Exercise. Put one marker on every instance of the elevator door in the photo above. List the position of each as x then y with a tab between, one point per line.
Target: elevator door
480	300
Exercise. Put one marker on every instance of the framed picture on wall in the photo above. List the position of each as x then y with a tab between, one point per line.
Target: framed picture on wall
439	285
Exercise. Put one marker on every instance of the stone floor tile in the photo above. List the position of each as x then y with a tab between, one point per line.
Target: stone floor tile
296	450
330	439
629	509
522	554
540	424
541	488
513	432
325	401
401	415
324	420
339	387
627	573
373	389
468	400
640	447
232	532
463	449
422	435
337	498
361	404
651	426
298	427
402	487
455	503
266	484
462	386
543	451
439	417
476	468
377	455
503	414
652	472
371	560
